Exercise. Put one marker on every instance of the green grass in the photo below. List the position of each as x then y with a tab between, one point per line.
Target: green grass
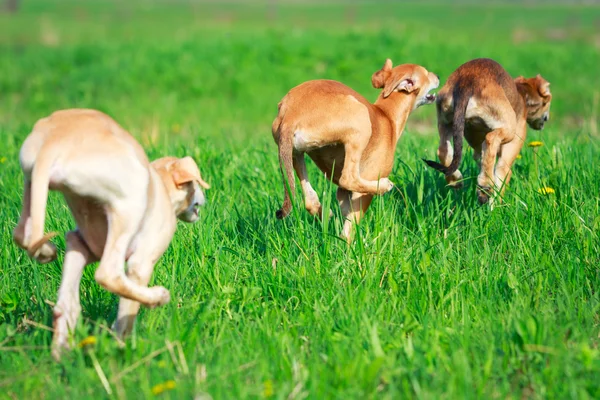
437	298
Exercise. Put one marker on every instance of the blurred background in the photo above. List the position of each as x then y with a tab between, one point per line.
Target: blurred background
218	68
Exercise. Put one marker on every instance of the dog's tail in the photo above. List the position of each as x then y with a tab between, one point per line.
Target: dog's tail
40	180
461	100
286	149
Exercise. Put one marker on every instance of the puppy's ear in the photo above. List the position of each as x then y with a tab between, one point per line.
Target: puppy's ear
186	170
529	89
203	183
188	163
543	86
183	171
378	79
181	176
405	83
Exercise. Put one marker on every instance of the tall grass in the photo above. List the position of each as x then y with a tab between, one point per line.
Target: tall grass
437	298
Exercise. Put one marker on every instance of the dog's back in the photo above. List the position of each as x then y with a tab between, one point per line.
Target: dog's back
466	98
66	133
311	104
480	78
314	114
66	151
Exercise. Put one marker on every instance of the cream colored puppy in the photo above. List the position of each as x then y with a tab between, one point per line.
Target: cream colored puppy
125	209
351	140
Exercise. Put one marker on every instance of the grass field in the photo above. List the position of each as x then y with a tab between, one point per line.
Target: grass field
437	298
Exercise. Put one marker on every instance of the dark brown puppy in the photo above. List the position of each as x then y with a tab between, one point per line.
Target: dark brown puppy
483	103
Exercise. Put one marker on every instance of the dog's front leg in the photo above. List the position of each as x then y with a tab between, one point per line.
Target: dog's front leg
353	206
67	309
123	223
350	179
490	148
139	271
507	155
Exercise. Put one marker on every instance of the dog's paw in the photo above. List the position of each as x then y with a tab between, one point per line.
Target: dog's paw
455	185
483	194
314	209
60	339
385	185
455	180
58	348
46	253
160	295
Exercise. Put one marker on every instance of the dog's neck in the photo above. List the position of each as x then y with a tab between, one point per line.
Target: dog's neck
396	107
177	204
521	88
176	199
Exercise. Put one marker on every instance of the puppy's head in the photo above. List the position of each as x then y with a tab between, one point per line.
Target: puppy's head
537	97
412	79
184	184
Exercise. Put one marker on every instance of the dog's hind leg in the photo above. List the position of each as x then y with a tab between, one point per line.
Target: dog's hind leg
139	271
67	309
353	206
445	154
24	223
124	219
286	149
486	179
354	145
43	251
311	199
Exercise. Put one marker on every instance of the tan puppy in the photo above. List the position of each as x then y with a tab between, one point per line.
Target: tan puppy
125	209
482	102
351	140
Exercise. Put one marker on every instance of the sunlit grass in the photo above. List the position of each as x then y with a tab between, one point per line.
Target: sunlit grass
437	298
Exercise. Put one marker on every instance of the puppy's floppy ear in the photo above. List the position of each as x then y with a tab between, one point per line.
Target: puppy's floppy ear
386	79
183	170
181	176
543	86
528	91
378	79
186	170
203	183
404	83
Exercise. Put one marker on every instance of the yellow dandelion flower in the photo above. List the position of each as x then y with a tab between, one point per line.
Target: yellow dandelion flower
161	387
88	341
535	144
268	388
2	160
546	190
519	156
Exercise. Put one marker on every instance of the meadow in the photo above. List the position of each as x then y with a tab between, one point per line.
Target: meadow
437	297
